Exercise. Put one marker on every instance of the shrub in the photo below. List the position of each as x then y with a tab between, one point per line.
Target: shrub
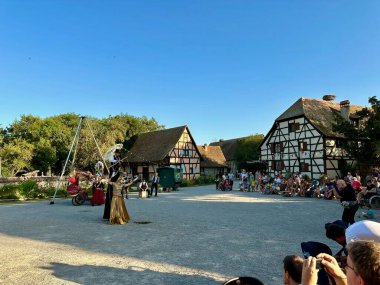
61	193
9	191
29	189
201	180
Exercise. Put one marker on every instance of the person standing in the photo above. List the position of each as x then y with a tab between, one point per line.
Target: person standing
231	178
113	171
118	212
347	197
155	181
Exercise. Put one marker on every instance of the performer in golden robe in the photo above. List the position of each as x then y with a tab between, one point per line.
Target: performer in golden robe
119	213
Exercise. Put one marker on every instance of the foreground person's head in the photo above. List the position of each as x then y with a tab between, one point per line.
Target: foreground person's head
363	263
292	269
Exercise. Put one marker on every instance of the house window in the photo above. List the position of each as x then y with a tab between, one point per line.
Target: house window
184	152
190	152
294	127
276	147
304	167
338	143
277	165
303	146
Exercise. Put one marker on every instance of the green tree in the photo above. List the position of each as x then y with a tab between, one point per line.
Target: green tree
44	155
50	140
16	155
362	141
247	149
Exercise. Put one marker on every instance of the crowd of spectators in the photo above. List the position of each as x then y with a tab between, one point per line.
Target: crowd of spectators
292	185
358	262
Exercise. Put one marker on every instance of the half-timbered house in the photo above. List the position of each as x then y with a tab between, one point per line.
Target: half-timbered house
213	162
173	147
302	138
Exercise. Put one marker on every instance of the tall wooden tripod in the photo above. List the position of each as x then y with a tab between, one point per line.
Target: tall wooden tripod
74	145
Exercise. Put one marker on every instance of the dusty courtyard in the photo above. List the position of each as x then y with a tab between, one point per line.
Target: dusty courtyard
195	236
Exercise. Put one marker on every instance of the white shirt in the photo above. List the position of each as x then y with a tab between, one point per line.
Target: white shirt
143	183
363	230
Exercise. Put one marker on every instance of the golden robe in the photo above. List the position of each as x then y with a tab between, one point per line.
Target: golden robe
119	213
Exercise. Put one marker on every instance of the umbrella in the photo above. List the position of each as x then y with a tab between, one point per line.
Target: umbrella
108	156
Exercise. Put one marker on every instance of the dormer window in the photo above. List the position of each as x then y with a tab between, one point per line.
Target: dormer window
294	127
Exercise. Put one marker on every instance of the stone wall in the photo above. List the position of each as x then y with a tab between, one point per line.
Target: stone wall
43	181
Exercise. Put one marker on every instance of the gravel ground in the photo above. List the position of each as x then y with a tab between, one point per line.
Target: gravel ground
195	236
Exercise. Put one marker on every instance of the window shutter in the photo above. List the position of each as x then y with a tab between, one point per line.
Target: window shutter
273	165
272	147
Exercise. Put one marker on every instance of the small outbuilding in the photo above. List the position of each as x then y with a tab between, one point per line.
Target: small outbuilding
213	162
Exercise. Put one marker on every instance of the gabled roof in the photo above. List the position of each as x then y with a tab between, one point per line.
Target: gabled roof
155	146
320	113
212	156
228	147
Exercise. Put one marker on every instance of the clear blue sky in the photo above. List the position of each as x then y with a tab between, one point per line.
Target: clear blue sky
225	68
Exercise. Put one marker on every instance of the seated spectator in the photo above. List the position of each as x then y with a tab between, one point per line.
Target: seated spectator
329	193
303	187
349	177
369	191
289	186
143	187
356	185
294	189
292	270
362	268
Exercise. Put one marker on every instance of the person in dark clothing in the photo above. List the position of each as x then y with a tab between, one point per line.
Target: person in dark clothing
155	181
347	197
113	176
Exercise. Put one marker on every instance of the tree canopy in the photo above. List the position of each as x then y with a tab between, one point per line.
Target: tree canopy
32	143
247	149
363	140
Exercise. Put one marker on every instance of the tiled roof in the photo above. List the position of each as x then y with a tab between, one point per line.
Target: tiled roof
228	147
212	156
320	113
154	146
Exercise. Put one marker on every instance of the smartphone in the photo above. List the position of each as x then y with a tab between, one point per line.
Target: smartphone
318	264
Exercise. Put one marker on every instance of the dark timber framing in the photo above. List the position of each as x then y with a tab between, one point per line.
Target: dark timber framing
306	149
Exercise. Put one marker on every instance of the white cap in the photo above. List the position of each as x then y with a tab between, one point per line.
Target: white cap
363	230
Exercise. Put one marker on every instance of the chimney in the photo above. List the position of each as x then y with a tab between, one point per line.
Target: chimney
205	146
345	109
328	97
